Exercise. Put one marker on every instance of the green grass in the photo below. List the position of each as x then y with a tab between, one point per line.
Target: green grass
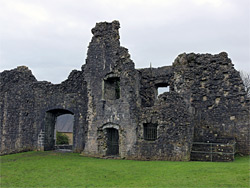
51	169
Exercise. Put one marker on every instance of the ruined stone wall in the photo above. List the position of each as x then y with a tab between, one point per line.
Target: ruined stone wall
206	103
215	91
16	108
151	79
108	61
169	112
25	103
174	130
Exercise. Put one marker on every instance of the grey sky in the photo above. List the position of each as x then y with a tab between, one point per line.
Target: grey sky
51	36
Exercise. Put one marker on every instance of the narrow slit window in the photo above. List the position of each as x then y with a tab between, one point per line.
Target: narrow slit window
150	131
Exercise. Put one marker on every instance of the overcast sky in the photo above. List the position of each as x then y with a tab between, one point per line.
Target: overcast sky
51	36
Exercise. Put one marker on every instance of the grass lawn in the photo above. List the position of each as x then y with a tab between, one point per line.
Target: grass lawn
53	169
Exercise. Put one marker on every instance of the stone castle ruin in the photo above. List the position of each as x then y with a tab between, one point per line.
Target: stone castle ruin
118	112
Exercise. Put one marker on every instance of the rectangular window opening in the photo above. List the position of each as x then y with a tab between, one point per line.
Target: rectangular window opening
161	90
150	131
112	88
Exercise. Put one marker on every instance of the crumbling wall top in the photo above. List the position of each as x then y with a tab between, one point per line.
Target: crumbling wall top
19	75
192	59
105	28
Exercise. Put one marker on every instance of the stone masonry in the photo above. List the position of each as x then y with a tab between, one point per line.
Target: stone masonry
118	111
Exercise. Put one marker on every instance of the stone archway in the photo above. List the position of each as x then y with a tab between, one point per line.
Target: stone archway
50	120
109	139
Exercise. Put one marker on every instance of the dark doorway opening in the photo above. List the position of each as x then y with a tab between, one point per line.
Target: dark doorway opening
51	118
112	141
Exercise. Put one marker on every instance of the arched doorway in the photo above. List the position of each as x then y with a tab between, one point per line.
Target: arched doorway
112	141
64	130
50	131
